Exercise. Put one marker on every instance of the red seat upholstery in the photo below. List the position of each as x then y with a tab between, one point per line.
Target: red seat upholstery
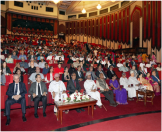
119	74
159	74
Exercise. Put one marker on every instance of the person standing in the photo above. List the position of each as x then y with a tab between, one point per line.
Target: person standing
16	94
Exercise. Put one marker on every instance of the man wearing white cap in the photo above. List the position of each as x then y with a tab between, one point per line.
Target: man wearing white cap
127	85
123	68
91	89
57	89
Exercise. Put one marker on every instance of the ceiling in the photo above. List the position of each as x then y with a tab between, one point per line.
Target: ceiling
72	7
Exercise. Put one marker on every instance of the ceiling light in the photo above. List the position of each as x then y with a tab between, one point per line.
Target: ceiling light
113	0
83	11
98	6
56	1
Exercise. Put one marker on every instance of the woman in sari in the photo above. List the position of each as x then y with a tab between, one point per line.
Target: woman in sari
144	82
154	84
121	94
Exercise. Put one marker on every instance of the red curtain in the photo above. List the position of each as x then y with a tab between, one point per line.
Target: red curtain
100	27
104	27
108	27
112	27
158	38
153	23
128	27
9	21
123	27
96	28
119	26
55	27
116	26
149	20
144	20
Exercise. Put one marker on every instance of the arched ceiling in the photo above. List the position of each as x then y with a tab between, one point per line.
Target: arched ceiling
72	7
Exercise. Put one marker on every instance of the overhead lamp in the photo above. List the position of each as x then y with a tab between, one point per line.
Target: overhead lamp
113	0
98	6
56	1
83	11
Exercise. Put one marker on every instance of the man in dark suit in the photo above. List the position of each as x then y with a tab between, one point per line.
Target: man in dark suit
16	94
38	91
101	71
73	86
110	72
79	74
5	51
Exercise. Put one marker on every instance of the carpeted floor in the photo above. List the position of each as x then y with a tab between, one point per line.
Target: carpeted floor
146	122
50	122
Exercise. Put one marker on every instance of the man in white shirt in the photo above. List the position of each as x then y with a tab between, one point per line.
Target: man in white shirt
42	63
50	56
58	90
123	68
38	91
35	63
32	76
142	64
133	80
119	64
91	89
125	82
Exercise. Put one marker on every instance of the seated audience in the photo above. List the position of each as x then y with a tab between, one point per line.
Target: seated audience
142	64
119	64
32	68
32	56
42	63
38	91
154	84
16	94
18	72
79	74
83	66
140	71
155	77
113	64
91	89
50	75
23	63
104	89
40	57
72	69
18	67
60	60
73	86
123	68
32	76
3	78
101	71
5	68
134	70
154	69
45	69
66	75
70	61
125	82
76	63
14	56
9	59
22	55
110	72
133	80
59	69
144	82
159	68
58	90
5	51
121	94
93	76
35	62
